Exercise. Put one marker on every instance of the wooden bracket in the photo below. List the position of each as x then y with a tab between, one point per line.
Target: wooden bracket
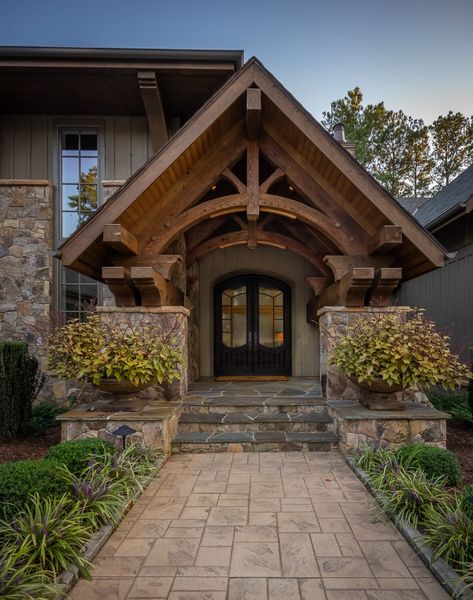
253	113
120	239
118	280
388	238
318	284
271	180
252	180
385	282
341	264
349	290
154	289
154	108
234	180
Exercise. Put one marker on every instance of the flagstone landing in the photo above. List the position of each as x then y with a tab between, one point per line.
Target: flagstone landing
257	526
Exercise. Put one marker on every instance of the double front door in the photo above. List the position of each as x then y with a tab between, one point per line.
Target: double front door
252	326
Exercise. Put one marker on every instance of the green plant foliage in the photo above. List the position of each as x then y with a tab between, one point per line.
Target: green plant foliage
410	494
449	532
51	533
467	500
43	415
433	461
21	478
20	382
19	581
75	455
102	347
403	349
373	458
454	403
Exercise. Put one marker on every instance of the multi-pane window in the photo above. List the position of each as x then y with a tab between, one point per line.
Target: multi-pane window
79	178
78	199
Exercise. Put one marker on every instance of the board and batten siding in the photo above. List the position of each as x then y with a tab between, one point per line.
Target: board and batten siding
29	144
447	296
265	261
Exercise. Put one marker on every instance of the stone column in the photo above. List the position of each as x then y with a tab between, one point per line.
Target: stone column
333	324
164	319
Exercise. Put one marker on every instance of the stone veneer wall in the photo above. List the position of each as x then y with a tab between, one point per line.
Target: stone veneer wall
333	324
26	249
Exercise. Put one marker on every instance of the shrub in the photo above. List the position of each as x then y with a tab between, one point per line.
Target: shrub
433	461
453	403
21	478
77	453
20	382
467	500
43	415
449	532
401	349
51	533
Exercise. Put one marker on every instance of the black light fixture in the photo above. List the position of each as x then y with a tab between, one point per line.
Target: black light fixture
124	431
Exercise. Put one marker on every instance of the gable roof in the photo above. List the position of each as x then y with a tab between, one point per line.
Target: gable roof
215	131
452	197
411	203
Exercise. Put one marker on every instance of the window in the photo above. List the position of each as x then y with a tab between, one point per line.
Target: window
79	197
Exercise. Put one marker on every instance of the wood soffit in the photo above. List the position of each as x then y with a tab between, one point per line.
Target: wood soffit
253	115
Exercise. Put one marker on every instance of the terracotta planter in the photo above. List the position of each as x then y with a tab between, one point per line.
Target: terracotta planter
123	395
379	395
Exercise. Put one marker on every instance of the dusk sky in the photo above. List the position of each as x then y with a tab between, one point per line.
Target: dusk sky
413	54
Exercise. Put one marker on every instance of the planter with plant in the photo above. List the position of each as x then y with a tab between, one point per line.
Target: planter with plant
119	358
391	352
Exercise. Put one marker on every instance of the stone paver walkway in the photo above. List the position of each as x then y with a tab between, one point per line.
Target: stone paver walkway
283	526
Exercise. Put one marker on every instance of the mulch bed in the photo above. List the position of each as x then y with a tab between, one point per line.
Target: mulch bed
460	441
30	447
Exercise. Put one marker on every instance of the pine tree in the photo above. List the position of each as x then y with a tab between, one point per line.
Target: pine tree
419	162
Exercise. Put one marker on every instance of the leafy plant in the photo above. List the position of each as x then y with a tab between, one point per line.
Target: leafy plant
19	581
51	534
134	466
104	347
467	500
454	403
403	349
77	453
411	494
449	532
20	382
432	461
43	415
24	477
372	458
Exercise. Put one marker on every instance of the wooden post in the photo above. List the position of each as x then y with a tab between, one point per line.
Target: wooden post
253	112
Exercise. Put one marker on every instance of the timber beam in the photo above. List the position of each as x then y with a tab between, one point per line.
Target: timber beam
341	264
154	289
120	239
154	108
252	180
385	282
252	235
388	238
253	113
118	280
350	290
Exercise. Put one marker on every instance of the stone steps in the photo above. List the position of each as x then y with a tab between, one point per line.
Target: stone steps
250	441
255	405
235	422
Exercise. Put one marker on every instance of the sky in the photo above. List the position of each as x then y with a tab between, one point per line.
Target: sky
416	55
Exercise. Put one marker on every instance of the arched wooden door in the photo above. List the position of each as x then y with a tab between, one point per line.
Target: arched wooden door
252	326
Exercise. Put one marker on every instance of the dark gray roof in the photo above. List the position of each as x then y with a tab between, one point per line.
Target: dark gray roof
450	198
411	204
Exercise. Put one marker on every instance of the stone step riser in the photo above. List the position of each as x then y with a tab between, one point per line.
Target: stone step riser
251	447
238	427
276	409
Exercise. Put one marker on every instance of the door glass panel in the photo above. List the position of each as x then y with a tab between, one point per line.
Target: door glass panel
234	310
270	316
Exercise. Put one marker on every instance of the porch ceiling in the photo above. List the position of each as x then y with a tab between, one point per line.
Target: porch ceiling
253	156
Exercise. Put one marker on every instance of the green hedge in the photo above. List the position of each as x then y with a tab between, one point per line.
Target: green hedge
76	453
20	382
433	461
24	477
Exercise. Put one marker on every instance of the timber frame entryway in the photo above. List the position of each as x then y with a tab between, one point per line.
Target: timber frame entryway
251	168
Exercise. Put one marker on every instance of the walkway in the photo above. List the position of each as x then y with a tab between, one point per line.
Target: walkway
253	526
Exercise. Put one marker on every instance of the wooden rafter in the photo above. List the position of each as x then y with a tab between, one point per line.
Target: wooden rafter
386	240
252	180
121	286
154	108
120	239
253	113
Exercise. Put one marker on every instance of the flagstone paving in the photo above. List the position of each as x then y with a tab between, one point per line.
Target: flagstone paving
278	526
